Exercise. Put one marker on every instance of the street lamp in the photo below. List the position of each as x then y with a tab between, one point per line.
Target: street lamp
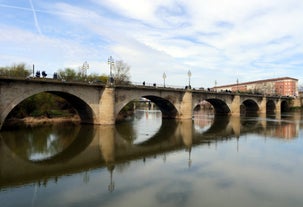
110	61
33	70
85	67
164	77
189	75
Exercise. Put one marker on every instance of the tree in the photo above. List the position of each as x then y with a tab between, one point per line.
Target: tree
42	104
16	70
121	73
95	78
68	74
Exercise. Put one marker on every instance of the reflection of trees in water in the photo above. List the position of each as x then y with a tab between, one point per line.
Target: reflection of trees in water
39	143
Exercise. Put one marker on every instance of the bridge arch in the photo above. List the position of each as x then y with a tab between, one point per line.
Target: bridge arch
270	106
249	106
83	109
219	105
168	103
166	107
284	106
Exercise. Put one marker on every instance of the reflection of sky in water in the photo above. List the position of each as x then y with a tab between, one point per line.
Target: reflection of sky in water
51	148
146	124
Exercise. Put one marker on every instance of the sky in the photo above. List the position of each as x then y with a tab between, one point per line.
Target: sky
218	41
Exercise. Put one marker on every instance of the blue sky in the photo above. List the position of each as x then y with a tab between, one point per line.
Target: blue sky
217	40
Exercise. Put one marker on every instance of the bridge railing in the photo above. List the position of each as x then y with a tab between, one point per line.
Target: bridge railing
156	85
145	84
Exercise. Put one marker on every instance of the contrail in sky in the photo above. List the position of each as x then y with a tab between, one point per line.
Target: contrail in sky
35	17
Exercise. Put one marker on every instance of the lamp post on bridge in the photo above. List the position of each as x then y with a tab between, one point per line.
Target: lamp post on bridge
164	77
33	70
110	61
85	67
189	75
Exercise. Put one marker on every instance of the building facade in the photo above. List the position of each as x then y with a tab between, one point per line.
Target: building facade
285	86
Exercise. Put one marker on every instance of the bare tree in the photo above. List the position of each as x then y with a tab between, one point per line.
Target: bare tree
121	72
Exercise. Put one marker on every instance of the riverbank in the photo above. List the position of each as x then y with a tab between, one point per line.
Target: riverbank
39	121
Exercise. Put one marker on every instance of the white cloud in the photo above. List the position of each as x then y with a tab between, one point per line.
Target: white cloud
222	40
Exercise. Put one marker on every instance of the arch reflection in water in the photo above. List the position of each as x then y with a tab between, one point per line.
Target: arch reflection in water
144	125
48	143
203	120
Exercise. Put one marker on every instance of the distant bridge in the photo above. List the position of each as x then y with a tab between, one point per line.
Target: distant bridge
101	104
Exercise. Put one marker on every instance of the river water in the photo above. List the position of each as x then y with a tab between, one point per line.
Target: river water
146	161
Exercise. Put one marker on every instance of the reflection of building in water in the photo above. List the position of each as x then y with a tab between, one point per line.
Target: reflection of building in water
144	104
203	119
286	131
205	106
148	114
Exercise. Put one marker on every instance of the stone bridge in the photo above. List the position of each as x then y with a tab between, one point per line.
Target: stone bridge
101	104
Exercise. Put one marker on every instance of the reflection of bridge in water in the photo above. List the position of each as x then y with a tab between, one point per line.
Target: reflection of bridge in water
104	146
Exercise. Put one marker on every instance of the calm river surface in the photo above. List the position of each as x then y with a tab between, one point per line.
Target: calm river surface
147	161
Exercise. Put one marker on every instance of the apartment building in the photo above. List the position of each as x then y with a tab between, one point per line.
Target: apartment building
284	86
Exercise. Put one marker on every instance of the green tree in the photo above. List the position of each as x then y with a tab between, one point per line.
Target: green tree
68	74
95	78
16	70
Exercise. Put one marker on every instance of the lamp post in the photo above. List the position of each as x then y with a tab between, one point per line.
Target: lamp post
85	67
164	77
111	185
110	61
189	75
33	70
237	85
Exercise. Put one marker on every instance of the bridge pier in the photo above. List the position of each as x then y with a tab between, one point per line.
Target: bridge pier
186	106
278	106
106	107
235	106
262	106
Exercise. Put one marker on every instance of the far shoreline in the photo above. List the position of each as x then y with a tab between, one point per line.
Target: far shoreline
39	121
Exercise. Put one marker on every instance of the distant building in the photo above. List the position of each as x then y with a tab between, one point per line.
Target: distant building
285	86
